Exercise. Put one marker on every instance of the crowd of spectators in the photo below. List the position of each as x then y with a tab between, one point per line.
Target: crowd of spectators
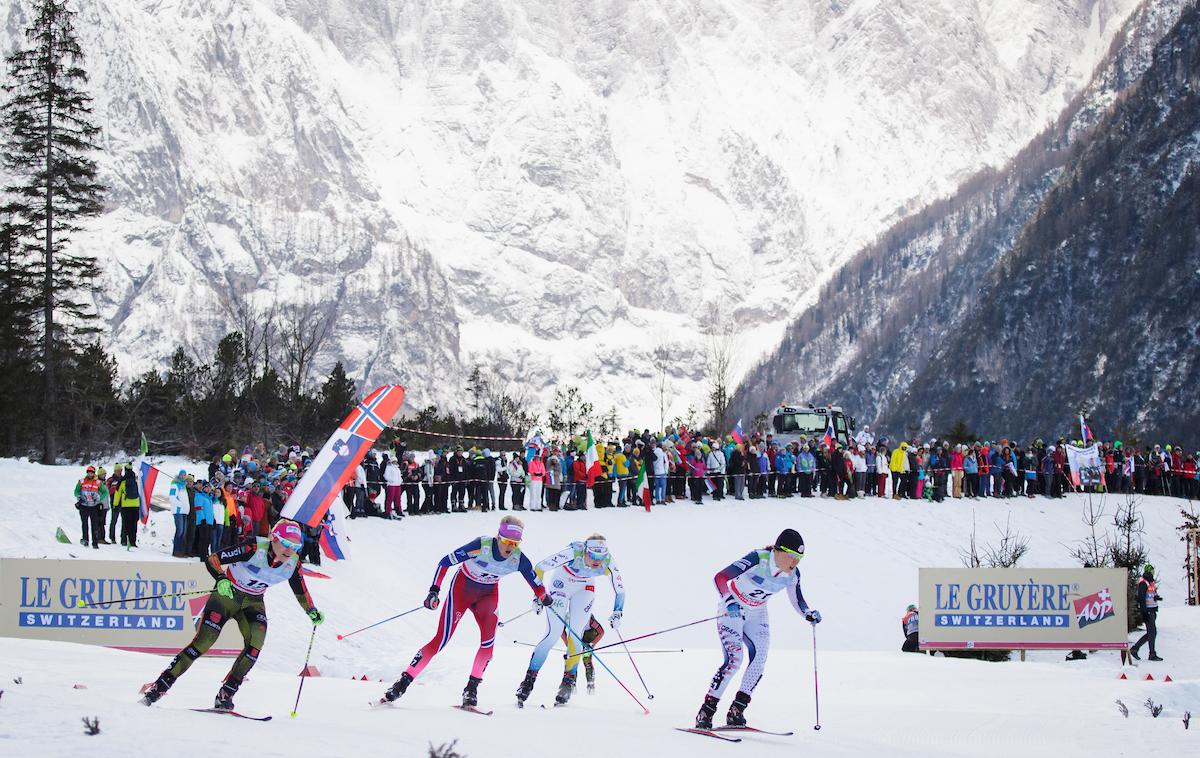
243	493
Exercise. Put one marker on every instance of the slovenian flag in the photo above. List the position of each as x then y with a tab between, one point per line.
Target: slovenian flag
340	456
1084	429
333	543
737	434
149	475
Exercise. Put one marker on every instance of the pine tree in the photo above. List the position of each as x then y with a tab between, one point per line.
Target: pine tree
18	338
337	397
48	137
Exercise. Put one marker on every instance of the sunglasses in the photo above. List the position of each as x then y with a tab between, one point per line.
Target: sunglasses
289	545
509	542
789	551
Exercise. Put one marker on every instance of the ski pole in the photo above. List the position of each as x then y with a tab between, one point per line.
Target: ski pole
514	618
304	671
637	652
645	710
653	634
649	695
82	604
816	687
377	623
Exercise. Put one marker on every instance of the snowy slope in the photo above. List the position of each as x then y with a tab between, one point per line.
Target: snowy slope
549	189
861	570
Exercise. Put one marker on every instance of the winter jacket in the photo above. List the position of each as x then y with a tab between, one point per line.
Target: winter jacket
660	462
621	464
899	463
516	471
554	475
179	497
393	476
715	462
537	470
128	490
91	493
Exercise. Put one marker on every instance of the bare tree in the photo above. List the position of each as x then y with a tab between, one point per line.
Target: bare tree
258	333
1094	550
1011	548
661	388
720	352
302	330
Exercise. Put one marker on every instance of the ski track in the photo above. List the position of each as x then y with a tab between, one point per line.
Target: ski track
861	570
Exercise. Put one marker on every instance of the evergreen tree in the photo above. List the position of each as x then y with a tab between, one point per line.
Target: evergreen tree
47	139
959	433
18	340
337	397
91	401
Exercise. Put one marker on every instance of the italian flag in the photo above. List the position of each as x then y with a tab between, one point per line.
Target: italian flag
589	455
643	487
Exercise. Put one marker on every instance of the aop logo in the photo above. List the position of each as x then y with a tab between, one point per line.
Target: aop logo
1094	608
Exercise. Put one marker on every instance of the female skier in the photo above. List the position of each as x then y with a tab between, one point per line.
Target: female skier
572	592
745	586
483	562
243	573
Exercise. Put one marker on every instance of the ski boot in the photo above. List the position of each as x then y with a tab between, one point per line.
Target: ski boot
589	671
565	689
224	699
397	689
705	715
152	692
471	692
737	710
526	687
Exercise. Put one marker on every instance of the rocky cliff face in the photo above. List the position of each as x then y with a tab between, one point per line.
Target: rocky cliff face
1055	284
551	190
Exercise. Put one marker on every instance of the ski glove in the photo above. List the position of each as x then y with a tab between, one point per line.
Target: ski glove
544	601
431	600
615	620
225	588
317	617
812	617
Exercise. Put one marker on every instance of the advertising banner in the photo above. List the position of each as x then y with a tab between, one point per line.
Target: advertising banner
39	599
1022	609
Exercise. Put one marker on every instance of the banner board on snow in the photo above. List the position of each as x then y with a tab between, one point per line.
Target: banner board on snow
1022	609
39	600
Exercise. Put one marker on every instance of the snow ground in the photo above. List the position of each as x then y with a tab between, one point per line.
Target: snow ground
861	570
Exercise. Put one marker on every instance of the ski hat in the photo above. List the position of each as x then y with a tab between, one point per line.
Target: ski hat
511	532
911	607
790	541
288	532
90	470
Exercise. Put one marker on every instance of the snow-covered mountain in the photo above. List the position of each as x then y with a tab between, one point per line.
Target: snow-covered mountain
1056	284
551	189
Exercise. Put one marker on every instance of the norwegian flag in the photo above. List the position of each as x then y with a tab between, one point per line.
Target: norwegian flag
342	453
